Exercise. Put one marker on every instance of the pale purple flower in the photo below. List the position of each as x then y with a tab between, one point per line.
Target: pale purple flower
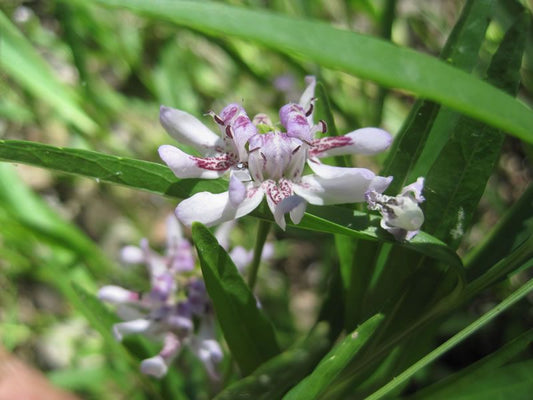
271	164
402	215
169	312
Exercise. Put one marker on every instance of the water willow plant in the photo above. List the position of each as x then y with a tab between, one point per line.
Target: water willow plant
388	302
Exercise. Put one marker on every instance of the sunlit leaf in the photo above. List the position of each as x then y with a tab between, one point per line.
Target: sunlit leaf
335	48
249	334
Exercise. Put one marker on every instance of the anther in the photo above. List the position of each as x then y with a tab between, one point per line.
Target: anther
323	126
229	131
309	110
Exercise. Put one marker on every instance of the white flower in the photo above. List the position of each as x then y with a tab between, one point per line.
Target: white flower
271	164
402	216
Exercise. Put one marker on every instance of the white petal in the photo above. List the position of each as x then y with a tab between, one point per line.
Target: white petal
414	190
369	140
236	190
188	130
154	366
116	294
212	209
126	328
335	185
360	141
223	233
174	231
309	92
132	255
297	212
241	257
186	166
331	172
380	183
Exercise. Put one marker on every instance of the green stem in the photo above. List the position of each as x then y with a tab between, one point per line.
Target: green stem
262	232
453	341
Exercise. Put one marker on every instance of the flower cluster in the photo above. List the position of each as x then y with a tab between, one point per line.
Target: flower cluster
176	311
268	160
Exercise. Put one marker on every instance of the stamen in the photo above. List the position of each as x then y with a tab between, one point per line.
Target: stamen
296	149
323	126
310	110
217	119
229	131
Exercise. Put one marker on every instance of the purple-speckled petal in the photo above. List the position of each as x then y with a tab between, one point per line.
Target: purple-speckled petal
186	166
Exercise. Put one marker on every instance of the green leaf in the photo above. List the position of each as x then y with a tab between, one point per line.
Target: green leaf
512	381
106	168
469	377
426	118
249	334
272	379
416	72
334	362
159	179
34	214
458	177
21	62
511	231
453	341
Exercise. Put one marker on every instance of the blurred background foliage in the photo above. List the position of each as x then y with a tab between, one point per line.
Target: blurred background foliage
94	78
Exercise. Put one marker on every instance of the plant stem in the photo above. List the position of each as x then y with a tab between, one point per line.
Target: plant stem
262	232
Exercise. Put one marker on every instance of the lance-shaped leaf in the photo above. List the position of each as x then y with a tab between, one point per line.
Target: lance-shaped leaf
334	363
106	168
275	377
422	124
158	178
360	55
458	177
249	334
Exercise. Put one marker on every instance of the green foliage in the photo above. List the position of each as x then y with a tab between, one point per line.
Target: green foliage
249	334
343	311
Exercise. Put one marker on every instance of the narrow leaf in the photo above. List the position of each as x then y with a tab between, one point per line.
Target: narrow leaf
452	385
512	230
421	126
458	177
21	62
334	362
416	72
273	378
249	334
453	341
106	168
159	179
